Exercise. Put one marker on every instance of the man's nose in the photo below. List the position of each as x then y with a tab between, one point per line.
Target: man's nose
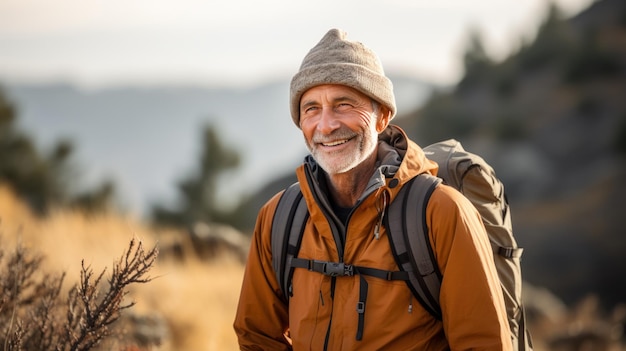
328	121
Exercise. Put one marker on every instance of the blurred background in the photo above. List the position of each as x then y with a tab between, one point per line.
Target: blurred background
170	120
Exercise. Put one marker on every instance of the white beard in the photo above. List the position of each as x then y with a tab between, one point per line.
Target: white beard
363	145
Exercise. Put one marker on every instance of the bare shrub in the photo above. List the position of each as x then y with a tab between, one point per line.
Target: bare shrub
33	316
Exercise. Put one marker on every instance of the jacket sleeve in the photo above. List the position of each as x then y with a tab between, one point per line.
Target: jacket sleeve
474	314
261	321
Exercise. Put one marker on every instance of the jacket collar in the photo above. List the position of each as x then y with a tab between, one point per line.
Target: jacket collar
397	157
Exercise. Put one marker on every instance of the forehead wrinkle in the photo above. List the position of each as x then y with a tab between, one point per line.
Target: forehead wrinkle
313	101
345	98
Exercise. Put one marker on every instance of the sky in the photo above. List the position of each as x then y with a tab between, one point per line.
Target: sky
99	43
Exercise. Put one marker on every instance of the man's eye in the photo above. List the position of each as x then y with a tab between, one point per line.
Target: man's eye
310	109
343	106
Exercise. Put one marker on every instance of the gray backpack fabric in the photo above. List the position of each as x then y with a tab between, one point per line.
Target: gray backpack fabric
409	239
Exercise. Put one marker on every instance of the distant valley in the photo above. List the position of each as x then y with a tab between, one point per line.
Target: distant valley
147	138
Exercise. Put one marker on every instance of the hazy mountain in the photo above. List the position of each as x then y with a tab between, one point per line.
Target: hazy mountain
147	138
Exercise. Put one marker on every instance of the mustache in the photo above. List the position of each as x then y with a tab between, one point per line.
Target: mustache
338	134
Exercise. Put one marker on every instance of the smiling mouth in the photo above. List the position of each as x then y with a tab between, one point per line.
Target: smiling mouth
335	143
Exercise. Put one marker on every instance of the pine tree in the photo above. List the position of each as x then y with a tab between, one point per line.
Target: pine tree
197	193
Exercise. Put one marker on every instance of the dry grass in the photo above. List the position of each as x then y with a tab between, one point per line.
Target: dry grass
190	305
195	300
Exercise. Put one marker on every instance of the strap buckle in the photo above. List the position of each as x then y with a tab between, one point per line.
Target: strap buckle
510	252
337	269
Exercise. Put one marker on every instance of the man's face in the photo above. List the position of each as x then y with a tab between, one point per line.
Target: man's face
340	126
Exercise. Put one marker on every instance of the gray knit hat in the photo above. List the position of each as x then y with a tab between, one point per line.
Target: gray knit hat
335	60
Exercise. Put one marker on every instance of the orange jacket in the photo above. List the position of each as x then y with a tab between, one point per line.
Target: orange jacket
321	314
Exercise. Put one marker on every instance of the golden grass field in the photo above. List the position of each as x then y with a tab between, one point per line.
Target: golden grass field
196	299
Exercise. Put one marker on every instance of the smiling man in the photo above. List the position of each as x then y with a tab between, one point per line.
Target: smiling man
341	127
343	103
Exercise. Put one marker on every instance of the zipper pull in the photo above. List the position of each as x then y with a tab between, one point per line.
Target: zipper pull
380	207
411	305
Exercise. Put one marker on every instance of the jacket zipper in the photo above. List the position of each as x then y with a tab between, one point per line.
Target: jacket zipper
340	232
336	230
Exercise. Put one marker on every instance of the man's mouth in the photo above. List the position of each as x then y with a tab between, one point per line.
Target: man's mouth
335	143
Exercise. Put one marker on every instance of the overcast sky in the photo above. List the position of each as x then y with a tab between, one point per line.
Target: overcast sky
234	42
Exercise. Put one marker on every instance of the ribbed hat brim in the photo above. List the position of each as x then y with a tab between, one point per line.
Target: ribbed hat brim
358	77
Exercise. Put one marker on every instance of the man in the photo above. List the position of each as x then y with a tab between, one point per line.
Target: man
343	103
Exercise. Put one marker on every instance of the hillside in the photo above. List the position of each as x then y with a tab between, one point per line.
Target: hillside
551	118
165	316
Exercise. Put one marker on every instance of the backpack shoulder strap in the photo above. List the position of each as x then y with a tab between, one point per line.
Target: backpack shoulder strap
410	243
287	227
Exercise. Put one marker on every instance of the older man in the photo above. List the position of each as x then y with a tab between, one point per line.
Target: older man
343	103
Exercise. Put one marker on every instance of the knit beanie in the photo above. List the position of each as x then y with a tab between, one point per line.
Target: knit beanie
335	60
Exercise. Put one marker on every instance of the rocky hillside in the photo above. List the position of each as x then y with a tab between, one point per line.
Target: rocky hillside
551	118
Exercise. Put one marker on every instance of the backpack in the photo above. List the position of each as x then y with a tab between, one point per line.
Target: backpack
408	235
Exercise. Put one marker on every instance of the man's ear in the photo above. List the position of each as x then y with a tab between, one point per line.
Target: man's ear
384	118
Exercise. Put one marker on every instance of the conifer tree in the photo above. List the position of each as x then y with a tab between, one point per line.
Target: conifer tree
197	193
42	180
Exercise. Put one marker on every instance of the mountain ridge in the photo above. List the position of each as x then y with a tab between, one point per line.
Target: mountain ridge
146	138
